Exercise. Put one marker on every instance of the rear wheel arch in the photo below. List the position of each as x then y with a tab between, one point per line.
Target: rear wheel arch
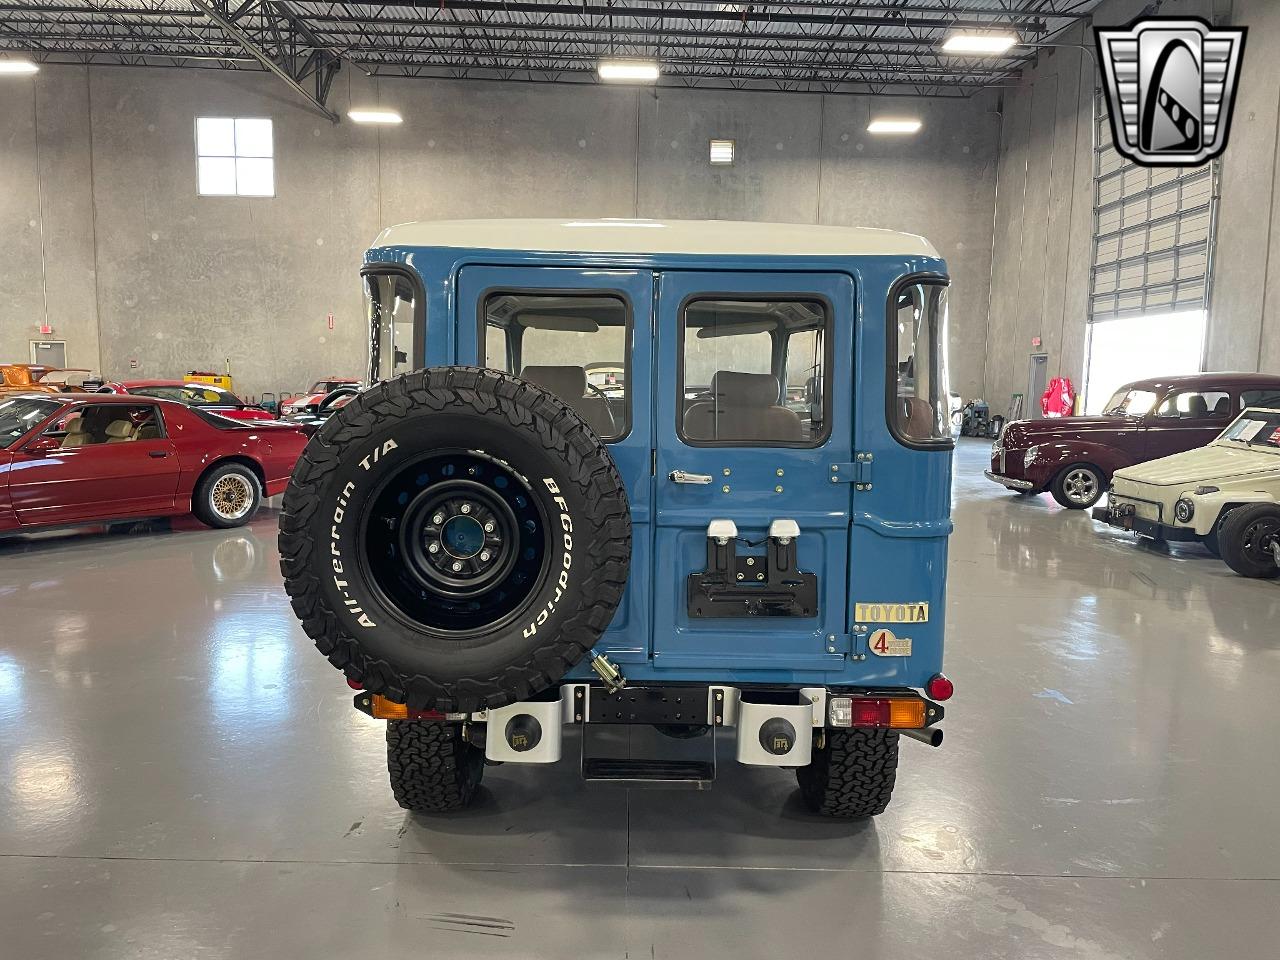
241	459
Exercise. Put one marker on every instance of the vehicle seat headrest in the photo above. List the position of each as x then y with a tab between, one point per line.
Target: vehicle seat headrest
1197	406
567	382
119	430
744	389
1223	407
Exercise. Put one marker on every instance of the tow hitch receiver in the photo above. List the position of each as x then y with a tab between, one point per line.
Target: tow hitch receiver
753	585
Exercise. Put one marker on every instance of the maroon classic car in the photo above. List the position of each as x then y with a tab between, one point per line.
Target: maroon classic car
203	395
1074	457
76	458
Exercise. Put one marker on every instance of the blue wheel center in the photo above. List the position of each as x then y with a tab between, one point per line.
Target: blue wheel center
463	537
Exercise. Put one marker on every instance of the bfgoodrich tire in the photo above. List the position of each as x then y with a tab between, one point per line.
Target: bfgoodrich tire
431	767
1245	539
455	538
852	775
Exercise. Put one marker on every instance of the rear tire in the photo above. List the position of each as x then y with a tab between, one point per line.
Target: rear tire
852	775
431	767
1078	486
227	496
1245	538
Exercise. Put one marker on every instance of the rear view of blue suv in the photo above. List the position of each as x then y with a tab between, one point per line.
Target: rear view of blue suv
688	475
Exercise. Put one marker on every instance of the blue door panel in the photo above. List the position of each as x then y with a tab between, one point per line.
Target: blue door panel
752	485
627	639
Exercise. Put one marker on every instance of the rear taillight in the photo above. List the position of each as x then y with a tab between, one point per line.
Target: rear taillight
384	709
892	712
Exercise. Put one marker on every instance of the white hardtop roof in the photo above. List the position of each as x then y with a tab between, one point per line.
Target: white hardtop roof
728	237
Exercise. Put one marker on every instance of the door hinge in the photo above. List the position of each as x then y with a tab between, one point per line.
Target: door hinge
857	471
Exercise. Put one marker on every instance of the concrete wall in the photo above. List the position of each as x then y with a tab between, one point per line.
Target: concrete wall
101	217
1044	209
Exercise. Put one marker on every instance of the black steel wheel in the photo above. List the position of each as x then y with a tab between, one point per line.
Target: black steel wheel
455	538
1247	539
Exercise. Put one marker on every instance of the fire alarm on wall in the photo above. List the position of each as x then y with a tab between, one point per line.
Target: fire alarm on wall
46	329
1035	341
331	321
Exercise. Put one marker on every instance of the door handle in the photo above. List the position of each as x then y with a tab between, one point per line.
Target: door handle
157	454
680	476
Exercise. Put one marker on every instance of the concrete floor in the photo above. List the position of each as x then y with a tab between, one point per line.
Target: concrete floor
181	775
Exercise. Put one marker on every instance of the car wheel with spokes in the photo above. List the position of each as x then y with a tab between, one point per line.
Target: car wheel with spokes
1248	540
227	496
1079	486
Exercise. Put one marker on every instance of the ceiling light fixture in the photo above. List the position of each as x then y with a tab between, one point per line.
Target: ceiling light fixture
904	125
374	116
18	67
987	44
642	71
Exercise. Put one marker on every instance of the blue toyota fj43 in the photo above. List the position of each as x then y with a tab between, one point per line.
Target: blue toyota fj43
681	474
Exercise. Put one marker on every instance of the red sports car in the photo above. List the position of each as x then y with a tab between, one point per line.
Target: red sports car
310	401
214	399
75	458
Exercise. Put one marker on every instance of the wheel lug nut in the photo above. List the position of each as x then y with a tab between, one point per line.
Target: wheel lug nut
457	567
484	556
433	548
438	518
466	508
488	528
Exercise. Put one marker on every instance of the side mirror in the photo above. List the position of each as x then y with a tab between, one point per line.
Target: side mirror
44	444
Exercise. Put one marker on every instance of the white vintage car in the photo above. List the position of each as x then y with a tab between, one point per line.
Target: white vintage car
1225	495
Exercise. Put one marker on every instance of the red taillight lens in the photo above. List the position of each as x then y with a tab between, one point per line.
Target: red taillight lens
354	684
870	713
939	688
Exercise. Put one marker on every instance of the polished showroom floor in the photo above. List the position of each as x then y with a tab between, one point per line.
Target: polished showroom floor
182	776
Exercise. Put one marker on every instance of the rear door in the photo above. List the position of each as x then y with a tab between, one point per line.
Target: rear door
586	335
754	413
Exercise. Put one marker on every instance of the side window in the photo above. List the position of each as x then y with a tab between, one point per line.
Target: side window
753	371
101	423
577	345
392	305
1196	405
920	412
1268	399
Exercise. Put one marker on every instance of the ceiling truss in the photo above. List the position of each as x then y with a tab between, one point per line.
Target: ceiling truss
880	47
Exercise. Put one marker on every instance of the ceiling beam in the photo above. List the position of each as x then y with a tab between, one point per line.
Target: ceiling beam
251	48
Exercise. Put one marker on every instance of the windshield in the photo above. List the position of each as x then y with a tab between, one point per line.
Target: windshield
20	414
1256	429
193	394
1127	402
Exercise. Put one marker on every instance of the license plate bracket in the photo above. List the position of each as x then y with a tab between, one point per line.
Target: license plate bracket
678	705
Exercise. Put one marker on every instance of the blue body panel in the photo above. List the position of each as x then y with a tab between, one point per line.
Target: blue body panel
885	545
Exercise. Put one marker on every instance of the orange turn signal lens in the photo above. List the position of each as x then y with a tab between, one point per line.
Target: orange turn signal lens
384	709
907	714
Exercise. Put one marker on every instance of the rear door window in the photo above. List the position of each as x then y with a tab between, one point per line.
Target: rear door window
753	371
1196	405
573	344
1268	399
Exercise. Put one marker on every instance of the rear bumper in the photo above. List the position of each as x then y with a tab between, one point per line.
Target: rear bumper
771	727
1010	482
1152	529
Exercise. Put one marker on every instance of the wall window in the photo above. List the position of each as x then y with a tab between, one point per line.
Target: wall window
234	156
575	345
921	408
753	372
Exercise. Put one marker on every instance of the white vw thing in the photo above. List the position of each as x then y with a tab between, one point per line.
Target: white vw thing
1225	495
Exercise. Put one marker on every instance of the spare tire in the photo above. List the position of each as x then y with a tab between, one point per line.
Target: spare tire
455	538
